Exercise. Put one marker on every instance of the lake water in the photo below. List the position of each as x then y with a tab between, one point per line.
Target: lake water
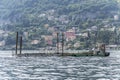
59	68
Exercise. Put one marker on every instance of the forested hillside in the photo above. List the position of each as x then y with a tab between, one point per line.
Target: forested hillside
78	12
25	15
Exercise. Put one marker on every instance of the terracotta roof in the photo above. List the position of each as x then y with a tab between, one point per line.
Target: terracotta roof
69	34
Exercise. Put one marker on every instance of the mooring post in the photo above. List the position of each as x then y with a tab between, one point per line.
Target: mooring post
104	48
57	43
20	44
62	43
16	43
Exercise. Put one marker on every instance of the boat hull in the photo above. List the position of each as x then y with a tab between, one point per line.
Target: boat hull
89	53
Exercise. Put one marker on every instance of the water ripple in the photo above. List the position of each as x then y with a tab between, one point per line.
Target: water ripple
60	68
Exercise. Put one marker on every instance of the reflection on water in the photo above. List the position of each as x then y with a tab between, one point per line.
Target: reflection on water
59	68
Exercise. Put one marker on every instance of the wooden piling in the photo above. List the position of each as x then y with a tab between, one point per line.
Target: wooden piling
16	43
58	43
62	43
104	48
21	45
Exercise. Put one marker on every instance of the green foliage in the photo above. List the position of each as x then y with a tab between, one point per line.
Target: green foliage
105	36
27	11
24	15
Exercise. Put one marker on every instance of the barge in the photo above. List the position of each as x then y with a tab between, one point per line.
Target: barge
80	54
97	51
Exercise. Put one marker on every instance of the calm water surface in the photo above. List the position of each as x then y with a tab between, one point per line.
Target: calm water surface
59	68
